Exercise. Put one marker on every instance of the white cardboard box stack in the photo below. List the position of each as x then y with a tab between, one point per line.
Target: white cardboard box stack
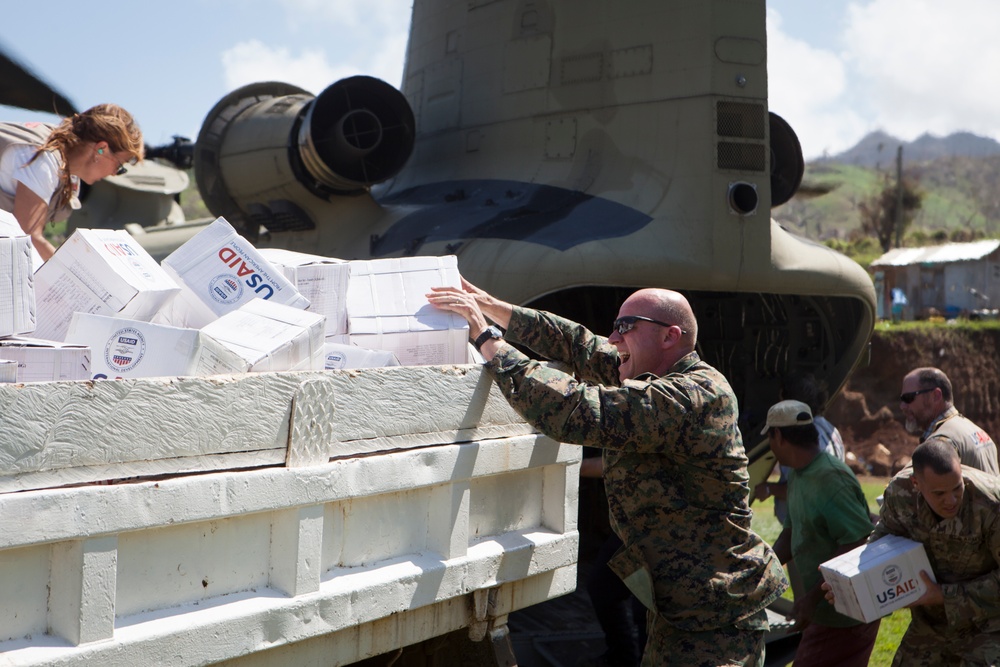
101	271
388	310
17	292
219	271
878	578
270	336
46	360
322	280
104	292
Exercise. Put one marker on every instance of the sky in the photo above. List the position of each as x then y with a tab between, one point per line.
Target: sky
837	69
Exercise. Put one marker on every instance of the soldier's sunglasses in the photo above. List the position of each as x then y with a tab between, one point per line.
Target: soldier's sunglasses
911	396
625	324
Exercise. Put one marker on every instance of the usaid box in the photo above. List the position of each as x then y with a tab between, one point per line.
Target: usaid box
46	360
387	309
17	286
219	271
876	579
322	280
270	337
100	271
122	348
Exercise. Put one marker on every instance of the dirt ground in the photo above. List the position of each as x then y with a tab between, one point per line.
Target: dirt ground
867	410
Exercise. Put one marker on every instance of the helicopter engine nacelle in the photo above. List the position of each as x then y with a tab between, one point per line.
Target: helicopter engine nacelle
268	151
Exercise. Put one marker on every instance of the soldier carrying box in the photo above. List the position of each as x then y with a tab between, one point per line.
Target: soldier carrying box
954	510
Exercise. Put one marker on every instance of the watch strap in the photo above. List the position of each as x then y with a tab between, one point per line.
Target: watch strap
487	334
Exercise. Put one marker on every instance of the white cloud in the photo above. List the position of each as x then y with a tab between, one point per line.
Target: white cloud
354	38
808	87
252	61
926	65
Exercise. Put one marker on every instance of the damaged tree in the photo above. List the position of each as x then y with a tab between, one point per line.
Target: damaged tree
889	212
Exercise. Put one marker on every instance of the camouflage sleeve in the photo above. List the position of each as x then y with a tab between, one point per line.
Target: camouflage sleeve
592	358
890	521
638	416
979	598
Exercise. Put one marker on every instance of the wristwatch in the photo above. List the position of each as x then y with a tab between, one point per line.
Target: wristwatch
488	333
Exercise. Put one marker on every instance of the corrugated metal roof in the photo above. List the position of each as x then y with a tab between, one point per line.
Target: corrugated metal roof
938	254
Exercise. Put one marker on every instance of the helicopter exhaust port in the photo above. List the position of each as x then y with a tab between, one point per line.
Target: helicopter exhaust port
267	151
356	133
743	198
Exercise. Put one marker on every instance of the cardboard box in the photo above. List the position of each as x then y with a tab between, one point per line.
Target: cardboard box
219	271
270	336
99	271
322	280
46	360
122	348
338	356
17	285
876	579
388	309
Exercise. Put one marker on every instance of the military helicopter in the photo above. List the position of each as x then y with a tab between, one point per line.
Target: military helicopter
146	196
567	154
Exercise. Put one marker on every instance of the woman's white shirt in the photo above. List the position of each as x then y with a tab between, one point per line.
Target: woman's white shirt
41	176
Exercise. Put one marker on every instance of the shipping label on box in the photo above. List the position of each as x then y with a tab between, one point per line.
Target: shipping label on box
99	271
122	348
219	271
388	309
322	280
878	578
269	337
46	360
17	283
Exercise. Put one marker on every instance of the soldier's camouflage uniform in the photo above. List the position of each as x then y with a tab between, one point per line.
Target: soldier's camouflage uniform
964	552
974	445
676	478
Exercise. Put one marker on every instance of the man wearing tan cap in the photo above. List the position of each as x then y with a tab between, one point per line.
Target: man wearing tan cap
827	516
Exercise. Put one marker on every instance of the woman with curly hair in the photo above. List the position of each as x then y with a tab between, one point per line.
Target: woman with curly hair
41	165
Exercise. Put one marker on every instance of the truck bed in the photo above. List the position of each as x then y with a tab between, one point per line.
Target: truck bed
278	516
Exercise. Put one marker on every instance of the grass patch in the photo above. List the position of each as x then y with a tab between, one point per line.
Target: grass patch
893	626
889	328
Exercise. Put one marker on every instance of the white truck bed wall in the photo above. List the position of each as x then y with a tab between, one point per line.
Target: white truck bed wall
370	510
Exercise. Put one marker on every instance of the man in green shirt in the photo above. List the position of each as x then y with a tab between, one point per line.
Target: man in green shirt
827	516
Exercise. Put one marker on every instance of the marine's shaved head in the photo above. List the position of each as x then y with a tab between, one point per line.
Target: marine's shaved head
669	306
665	332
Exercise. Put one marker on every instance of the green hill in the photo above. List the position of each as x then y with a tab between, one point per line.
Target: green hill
961	199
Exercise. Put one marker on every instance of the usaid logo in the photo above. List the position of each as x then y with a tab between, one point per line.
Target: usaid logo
892	575
335	360
254	280
225	288
125	349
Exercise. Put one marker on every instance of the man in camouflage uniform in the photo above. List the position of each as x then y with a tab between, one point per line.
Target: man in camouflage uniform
674	466
954	510
926	403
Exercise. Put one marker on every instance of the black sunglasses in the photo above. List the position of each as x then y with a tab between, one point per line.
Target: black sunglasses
625	324
121	171
911	396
